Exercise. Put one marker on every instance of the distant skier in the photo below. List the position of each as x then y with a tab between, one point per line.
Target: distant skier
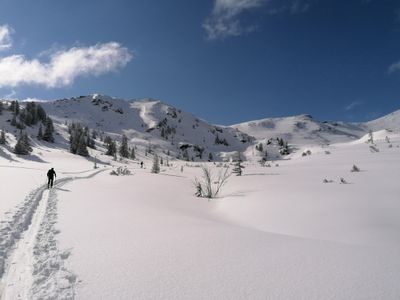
141	164
50	176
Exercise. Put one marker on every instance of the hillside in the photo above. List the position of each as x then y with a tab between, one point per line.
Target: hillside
152	125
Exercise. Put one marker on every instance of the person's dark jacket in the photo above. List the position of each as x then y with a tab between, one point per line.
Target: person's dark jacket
51	173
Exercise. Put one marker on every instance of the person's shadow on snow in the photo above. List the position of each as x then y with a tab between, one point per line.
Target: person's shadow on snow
60	189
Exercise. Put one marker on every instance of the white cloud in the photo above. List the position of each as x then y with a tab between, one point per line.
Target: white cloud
224	20
5	37
64	66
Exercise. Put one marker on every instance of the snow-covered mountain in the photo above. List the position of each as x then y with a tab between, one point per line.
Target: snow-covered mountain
302	130
150	123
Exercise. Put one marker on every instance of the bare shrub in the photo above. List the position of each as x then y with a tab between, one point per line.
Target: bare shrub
209	185
121	171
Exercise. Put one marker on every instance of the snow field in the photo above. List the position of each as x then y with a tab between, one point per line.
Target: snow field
275	233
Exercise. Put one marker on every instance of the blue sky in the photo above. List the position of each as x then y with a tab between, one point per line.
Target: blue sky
226	61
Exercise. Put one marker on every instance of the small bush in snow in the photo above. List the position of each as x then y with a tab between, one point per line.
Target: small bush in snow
209	185
370	137
327	152
327	181
355	169
342	180
121	171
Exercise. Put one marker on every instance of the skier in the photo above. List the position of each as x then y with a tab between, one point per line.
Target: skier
141	164
50	175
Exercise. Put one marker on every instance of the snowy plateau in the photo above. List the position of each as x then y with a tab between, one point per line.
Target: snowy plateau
314	215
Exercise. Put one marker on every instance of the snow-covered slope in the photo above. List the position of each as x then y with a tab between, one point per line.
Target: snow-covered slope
301	130
304	228
304	130
390	121
150	123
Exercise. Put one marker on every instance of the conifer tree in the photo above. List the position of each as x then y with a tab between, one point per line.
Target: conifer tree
23	146
111	148
41	114
94	134
237	169
13	121
156	165
78	139
132	155
82	147
1	107
210	157
3	139
40	133
16	108
48	131
124	149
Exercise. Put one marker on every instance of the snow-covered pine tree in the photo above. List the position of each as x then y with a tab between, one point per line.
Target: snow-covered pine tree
124	149
94	134
40	133
237	169
82	147
156	165
3	139
48	131
111	146
14	107
23	146
132	155
13	121
41	114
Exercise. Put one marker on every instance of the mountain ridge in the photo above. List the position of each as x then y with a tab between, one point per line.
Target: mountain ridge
152	123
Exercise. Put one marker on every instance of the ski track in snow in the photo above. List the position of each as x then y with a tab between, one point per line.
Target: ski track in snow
31	265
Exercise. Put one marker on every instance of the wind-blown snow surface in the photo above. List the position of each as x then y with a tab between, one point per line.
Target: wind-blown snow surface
275	233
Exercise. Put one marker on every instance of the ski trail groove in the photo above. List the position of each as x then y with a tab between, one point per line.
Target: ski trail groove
31	265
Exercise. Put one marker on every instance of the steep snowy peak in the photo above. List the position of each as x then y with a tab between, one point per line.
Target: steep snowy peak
301	130
390	121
